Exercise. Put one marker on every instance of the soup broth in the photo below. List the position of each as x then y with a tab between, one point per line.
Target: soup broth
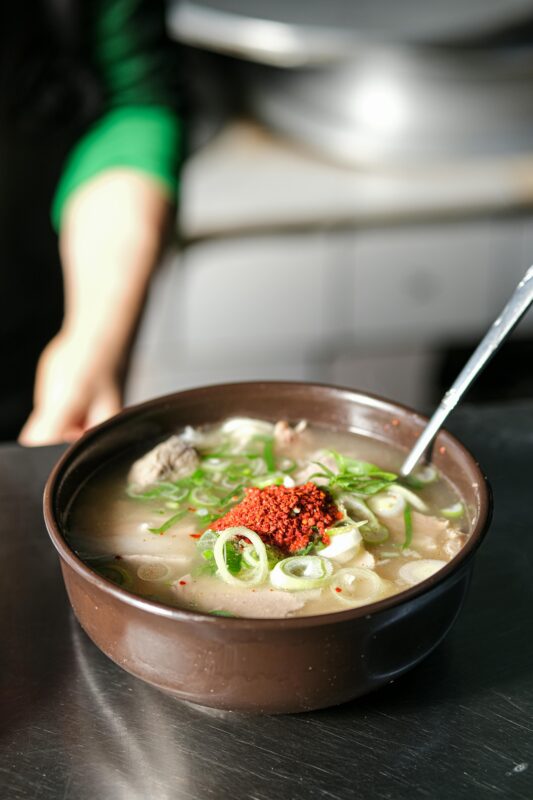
251	519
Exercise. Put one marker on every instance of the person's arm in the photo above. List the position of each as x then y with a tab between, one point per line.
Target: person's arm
112	208
111	236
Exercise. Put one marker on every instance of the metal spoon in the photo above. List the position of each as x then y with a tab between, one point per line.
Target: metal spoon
520	301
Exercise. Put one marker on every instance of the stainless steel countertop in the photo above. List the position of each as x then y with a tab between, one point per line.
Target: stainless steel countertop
74	726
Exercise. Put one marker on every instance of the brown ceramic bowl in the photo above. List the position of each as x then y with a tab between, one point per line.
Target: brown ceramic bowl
265	665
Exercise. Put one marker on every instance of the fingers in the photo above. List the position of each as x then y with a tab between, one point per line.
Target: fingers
71	394
52	425
43	428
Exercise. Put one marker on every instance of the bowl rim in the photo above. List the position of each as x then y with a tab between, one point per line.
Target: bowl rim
67	554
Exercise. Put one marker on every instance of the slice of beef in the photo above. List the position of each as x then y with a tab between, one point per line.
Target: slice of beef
169	461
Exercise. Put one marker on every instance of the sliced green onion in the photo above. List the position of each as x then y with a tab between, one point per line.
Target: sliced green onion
231	483
232	557
204	497
344	526
387	504
359	507
360	468
426	474
276	479
206	541
417	571
206	517
344	544
252	577
453	512
214	464
147	495
375	536
169	523
301	572
155	571
373	532
235	492
178	494
408	522
205	546
268	454
114	573
197	477
169	491
250	556
412	498
357	586
356	477
238	472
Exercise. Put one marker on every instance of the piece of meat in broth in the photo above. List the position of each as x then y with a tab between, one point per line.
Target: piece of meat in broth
308	472
169	461
285	434
206	594
429	533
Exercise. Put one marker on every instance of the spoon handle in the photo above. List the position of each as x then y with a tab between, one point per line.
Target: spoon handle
500	329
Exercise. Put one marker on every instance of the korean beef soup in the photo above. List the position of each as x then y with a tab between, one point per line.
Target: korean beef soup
254	519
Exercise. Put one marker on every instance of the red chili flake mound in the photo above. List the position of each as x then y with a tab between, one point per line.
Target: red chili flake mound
286	518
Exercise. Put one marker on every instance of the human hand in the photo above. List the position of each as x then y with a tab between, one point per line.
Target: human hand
112	232
74	390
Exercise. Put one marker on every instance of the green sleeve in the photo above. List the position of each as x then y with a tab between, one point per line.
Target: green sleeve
139	128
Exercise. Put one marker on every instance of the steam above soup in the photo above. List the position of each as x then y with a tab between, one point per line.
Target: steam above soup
252	519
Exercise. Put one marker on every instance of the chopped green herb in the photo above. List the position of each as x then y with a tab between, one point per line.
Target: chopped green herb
207	519
408	527
453	512
220	613
233	556
306	550
197	477
357	477
168	523
268	454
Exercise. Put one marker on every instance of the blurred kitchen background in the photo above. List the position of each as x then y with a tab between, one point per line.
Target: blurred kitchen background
357	204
